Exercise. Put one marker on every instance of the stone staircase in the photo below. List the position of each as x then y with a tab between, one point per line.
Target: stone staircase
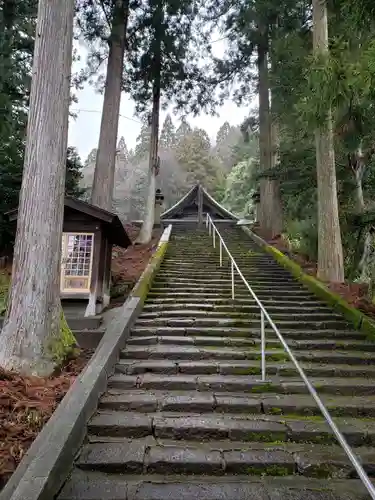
185	415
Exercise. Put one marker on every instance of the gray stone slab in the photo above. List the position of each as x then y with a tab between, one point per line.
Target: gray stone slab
271	462
93	486
127	456
120	424
123	381
198	367
184	459
234	404
200	491
129	402
168	382
191	427
194	402
150	366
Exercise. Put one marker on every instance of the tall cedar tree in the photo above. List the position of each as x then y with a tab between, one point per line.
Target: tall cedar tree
248	28
32	338
157	63
330	254
104	26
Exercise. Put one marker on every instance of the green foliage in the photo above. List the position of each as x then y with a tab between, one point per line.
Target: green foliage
73	174
239	187
4	291
168	134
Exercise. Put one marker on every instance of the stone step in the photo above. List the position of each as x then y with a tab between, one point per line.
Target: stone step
223	280
210	352
246	342
249	428
165	331
262	293
220	273
135	367
173	457
224	284
196	312
94	485
144	401
237	322
244	302
242	383
170	305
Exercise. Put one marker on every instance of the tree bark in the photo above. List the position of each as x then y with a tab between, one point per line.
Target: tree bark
32	334
145	234
277	207
330	253
104	175
270	212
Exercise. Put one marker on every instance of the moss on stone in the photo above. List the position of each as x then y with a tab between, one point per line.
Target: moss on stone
275	411
284	261
63	345
144	283
267	387
368	327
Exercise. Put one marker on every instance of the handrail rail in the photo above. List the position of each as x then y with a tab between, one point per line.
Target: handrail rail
264	315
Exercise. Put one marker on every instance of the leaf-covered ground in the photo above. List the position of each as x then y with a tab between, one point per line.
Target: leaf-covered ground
26	404
128	264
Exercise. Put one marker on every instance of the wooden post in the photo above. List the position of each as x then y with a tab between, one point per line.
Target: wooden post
107	274
96	284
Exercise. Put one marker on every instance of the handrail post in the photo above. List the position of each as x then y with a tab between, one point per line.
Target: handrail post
209	227
221	253
213	237
232	272
263	345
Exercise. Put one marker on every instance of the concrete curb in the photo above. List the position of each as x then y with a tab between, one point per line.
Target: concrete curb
43	470
359	320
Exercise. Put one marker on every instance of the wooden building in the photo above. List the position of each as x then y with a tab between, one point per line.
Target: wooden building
193	208
89	233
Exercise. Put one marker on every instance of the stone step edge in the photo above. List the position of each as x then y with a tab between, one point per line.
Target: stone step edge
144	400
208	427
150	456
101	486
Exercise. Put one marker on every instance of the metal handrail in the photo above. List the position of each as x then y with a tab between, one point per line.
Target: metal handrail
265	316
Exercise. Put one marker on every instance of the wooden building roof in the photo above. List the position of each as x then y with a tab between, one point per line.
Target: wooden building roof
111	224
188	207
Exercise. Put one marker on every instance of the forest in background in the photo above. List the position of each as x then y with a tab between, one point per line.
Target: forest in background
186	157
302	87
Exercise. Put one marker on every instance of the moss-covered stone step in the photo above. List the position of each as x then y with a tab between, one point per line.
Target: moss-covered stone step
235	402
247	342
229	367
262	293
161	351
220	278
224	284
165	331
236	313
170	271
244	302
253	308
169	456
240	322
249	428
242	383
94	485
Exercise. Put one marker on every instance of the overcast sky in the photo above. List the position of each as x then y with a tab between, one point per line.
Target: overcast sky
84	130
